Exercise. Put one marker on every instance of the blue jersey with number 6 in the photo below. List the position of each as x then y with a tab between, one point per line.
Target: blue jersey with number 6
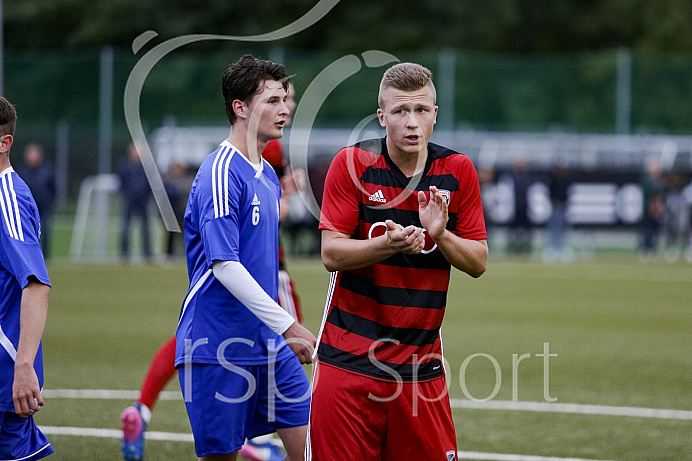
232	215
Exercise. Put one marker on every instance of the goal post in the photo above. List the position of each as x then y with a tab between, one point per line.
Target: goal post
93	216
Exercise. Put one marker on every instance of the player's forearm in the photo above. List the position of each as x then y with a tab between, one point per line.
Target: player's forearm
340	252
32	320
245	288
469	256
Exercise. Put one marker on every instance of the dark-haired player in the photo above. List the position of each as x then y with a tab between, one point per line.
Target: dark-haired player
238	353
135	418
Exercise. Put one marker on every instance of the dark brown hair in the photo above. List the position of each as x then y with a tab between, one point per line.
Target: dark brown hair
8	117
241	80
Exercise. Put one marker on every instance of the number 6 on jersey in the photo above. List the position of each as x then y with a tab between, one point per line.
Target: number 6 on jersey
255	215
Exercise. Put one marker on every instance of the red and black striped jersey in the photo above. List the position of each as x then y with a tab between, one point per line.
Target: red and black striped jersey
384	320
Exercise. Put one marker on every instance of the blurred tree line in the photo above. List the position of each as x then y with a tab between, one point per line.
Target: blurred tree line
498	26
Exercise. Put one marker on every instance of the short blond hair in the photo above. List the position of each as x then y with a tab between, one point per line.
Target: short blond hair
405	76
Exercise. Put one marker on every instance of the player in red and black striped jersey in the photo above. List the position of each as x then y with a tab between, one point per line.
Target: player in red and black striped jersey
397	213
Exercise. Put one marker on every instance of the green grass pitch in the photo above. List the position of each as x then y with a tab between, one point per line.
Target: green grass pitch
619	334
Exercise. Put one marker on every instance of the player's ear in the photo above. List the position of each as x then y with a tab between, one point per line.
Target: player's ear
6	143
380	117
239	108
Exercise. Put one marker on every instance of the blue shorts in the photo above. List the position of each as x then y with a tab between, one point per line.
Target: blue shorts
20	438
226	406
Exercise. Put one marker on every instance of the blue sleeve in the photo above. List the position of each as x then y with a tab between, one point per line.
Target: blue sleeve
220	213
20	249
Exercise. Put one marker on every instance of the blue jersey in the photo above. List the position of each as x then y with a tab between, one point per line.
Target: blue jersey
20	258
232	215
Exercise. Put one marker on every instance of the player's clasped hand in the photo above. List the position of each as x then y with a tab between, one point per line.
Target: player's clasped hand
433	213
410	239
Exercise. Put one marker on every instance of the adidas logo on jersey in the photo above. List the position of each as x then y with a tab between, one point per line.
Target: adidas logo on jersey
378	197
255	201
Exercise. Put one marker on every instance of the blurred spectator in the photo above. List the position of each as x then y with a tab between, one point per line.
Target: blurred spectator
653	187
40	178
687	193
676	216
177	181
486	179
558	224
317	174
299	227
521	230
136	193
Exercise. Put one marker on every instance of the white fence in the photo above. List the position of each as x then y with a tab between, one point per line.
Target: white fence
586	151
